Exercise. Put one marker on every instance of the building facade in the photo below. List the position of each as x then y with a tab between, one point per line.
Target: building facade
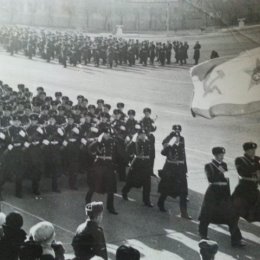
104	15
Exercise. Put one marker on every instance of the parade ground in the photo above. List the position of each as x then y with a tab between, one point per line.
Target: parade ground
168	92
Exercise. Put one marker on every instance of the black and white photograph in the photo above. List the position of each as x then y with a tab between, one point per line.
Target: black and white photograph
129	129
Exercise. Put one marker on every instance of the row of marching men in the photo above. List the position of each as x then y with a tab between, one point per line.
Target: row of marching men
88	137
38	137
220	206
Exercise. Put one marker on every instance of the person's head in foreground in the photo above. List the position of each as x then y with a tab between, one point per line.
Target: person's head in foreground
42	242
208	249
43	232
94	211
13	236
14	220
127	253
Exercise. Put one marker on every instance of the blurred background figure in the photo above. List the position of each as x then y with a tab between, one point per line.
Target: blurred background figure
214	54
196	55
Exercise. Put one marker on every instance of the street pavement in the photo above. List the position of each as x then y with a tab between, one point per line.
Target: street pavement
168	91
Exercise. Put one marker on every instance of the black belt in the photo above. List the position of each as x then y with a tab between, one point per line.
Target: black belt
219	183
251	179
175	162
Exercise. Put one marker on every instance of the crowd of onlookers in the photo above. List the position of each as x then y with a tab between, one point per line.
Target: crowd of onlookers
40	244
88	242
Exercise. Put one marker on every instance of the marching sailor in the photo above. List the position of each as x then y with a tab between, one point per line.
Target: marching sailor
140	170
246	197
217	206
174	173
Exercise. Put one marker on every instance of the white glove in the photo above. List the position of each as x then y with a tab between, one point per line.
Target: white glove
60	132
75	130
83	141
137	127
134	138
94	129
26	145
46	142
100	137
22	133
10	147
122	128
65	143
2	136
39	130
127	139
172	141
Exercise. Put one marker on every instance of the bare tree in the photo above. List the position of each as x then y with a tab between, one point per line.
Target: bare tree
12	9
32	9
48	8
106	12
151	15
69	10
137	19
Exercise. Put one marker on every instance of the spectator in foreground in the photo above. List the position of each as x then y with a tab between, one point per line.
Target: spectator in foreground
41	244
208	249
127	253
89	240
13	237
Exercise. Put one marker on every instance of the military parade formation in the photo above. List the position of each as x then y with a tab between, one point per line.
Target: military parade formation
47	137
43	136
81	49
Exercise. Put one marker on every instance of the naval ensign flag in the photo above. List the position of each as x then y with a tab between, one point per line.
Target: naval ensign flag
227	86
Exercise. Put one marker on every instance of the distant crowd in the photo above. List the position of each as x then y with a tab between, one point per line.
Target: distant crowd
78	48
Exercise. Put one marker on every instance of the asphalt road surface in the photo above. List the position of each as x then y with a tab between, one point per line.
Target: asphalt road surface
168	91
